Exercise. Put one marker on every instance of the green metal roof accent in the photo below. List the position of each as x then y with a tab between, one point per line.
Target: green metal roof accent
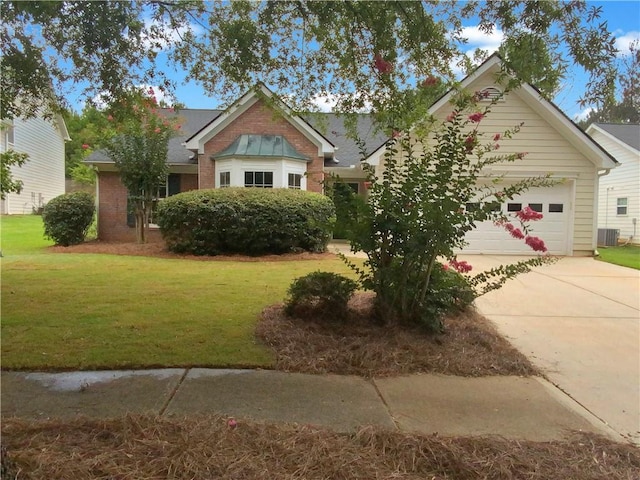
261	146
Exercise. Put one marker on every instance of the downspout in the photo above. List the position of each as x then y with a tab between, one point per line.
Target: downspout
600	174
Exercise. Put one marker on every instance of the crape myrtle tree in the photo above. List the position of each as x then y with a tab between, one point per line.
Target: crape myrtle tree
138	143
422	205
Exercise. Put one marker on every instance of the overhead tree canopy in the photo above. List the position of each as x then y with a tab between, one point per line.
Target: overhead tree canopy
625	109
362	51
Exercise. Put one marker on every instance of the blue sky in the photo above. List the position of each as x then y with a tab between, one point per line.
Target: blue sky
623	18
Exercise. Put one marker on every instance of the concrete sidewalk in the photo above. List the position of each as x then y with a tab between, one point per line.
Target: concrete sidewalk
513	407
579	321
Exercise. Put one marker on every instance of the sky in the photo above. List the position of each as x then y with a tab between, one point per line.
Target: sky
623	18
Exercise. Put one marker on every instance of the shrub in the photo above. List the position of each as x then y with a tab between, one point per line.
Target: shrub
249	221
67	218
321	295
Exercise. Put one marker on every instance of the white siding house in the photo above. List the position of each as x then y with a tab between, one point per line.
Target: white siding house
619	193
43	173
553	145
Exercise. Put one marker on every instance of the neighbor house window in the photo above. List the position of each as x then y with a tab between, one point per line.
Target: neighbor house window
621	206
258	179
7	134
225	179
294	180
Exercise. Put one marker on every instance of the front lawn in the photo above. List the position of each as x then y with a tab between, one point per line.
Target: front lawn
90	311
627	256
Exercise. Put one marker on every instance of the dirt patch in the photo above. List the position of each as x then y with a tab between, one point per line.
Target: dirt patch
150	447
159	249
471	346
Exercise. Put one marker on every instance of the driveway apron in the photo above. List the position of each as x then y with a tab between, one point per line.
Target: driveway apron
578	320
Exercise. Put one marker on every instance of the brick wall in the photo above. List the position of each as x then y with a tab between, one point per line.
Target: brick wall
260	119
112	209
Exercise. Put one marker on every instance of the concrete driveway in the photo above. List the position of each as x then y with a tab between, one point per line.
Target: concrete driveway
579	320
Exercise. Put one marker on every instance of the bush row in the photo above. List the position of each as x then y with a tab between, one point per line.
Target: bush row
250	221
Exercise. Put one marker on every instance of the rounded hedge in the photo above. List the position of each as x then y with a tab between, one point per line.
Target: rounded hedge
67	218
250	221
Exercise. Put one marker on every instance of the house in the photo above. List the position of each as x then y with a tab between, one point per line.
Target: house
619	193
42	175
258	141
554	144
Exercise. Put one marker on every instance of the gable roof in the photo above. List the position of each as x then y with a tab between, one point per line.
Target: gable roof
196	142
628	134
545	108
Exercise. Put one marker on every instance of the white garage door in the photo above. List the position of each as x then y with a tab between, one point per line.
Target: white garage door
553	202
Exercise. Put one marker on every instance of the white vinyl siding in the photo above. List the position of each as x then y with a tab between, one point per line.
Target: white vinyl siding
621	182
43	174
547	152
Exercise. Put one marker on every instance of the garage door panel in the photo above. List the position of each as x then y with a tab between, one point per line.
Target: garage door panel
555	205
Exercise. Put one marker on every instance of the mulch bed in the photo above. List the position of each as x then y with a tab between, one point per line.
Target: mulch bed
150	447
159	249
470	346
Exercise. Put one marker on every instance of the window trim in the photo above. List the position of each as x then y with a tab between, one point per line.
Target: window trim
226	184
295	185
620	206
264	184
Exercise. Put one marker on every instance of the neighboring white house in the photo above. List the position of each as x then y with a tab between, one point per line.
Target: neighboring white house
554	145
43	174
619	198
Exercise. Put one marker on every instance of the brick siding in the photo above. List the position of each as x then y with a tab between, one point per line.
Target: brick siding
260	119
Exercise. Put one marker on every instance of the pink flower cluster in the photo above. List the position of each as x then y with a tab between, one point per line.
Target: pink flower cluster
536	244
462	266
382	65
476	117
430	81
527	214
515	232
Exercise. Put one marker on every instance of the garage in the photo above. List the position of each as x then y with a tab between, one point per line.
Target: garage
554	228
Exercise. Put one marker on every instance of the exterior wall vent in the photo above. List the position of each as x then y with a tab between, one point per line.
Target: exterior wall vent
491	94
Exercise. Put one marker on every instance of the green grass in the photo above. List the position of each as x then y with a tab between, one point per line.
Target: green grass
22	234
83	311
627	256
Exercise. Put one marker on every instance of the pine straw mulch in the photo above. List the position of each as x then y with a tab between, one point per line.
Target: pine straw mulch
470	346
151	447
159	250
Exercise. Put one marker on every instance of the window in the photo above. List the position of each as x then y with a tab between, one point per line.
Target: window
7	134
294	180
225	180
621	206
556	208
258	179
536	207
472	207
494	206
514	207
167	189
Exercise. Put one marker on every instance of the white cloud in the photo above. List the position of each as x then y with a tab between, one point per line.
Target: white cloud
477	40
582	114
168	34
623	42
327	103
